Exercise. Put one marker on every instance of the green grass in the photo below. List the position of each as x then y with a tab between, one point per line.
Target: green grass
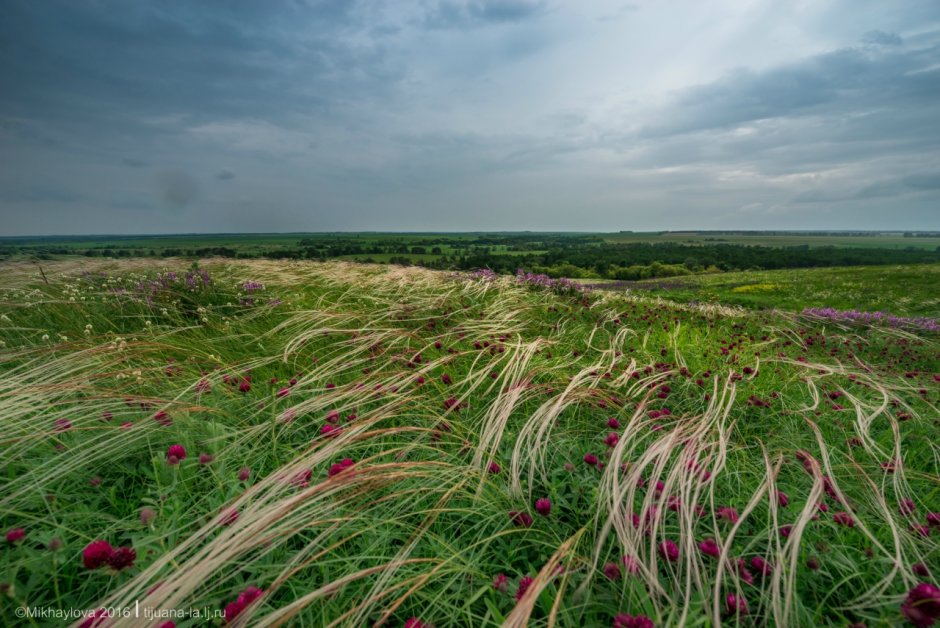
911	290
874	241
418	525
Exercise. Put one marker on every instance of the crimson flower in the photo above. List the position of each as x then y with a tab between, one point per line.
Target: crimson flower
922	605
96	554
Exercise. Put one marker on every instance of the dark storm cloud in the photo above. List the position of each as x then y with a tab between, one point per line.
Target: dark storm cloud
176	188
475	114
114	63
927	182
839	83
881	38
475	13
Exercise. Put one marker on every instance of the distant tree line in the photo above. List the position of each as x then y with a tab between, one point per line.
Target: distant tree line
558	255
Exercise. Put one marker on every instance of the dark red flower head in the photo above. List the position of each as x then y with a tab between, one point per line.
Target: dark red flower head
710	548
96	554
632	621
543	506
15	535
339	467
122	558
522	519
761	566
524	583
736	604
922	605
844	519
669	550
245	598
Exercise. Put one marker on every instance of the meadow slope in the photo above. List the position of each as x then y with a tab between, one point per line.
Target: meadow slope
335	444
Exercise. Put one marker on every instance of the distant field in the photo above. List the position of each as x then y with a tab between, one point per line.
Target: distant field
889	241
910	290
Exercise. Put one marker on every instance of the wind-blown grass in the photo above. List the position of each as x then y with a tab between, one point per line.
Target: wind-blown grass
366	445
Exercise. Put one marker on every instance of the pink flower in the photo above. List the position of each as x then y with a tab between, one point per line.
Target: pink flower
501	583
743	572
735	604
147	515
612	571
62	425
524	583
669	550
283	392
922	605
933	518
631	564
761	566
206	458
543	506
245	385
782	499
329	431
728	513
243	474
907	506
414	622
493	468
590	459
175	454
339	467
96	554
613	423
632	621
522	519
612	439
844	519
710	548
15	535
245	598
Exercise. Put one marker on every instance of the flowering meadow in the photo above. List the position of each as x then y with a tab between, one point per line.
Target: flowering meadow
330	444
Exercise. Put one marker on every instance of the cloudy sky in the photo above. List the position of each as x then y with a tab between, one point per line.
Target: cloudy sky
121	116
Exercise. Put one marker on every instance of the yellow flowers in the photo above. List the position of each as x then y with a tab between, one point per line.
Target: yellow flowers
757	287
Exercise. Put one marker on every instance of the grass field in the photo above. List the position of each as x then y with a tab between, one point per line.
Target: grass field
909	290
313	444
873	241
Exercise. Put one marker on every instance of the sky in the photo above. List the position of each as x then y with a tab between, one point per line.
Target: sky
229	116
